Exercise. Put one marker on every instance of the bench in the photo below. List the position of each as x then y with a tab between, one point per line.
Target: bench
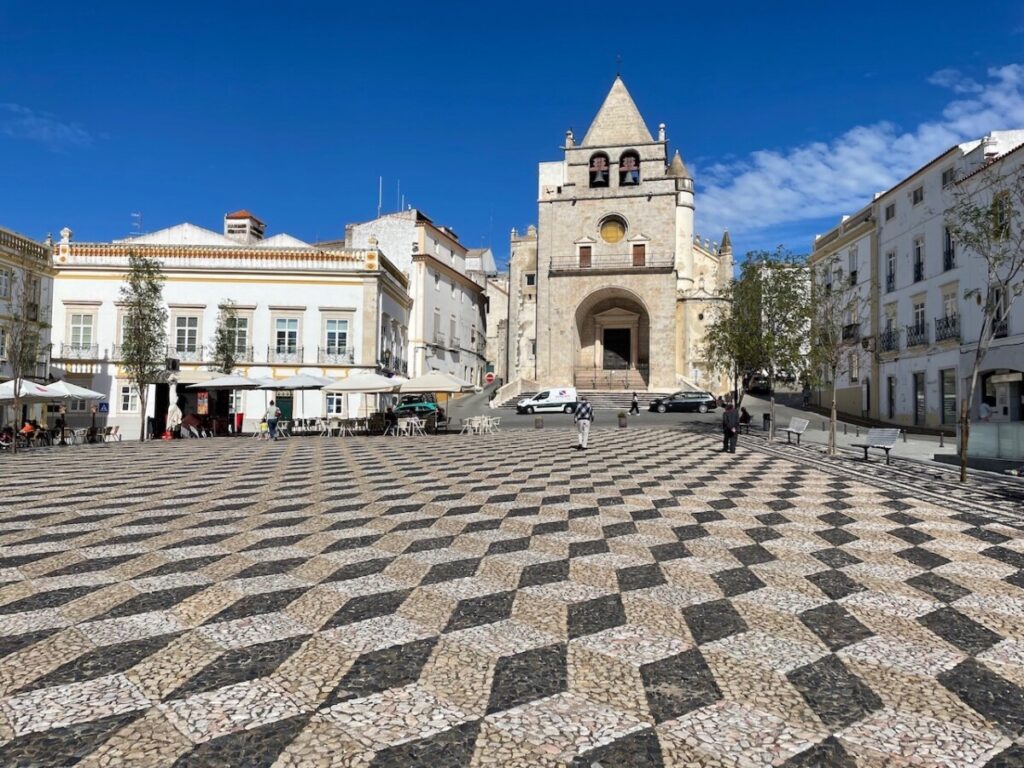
882	439
797	426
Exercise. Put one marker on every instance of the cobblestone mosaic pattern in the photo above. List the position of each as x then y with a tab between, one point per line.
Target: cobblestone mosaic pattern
500	601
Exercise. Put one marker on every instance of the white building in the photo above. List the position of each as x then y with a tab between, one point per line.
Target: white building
301	309
24	262
446	325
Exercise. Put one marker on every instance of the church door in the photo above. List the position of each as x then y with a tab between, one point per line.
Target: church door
616	348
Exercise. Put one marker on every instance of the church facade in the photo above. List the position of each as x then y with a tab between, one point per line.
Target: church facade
612	288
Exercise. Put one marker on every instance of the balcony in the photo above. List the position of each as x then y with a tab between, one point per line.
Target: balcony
918	271
889	341
335	355
284	355
456	342
917	335
890	282
80	351
615	262
186	353
1000	328
244	355
851	332
439	339
948	260
947	328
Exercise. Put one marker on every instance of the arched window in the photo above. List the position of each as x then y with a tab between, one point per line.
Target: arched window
599	170
629	169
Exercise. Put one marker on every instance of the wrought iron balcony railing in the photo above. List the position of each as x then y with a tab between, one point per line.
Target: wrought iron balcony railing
918	271
890	282
186	353
948	260
244	355
284	355
947	327
917	335
889	341
80	351
625	262
1000	328
439	338
335	355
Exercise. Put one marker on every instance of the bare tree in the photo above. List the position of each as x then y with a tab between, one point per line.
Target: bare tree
987	220
23	335
144	347
835	345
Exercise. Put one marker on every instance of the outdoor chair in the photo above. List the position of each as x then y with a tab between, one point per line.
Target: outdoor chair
393	428
81	436
470	425
415	427
5	443
284	430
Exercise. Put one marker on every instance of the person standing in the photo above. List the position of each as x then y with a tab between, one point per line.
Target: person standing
730	428
635	407
273	414
583	417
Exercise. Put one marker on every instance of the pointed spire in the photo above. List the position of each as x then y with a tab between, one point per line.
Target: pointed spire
677	168
726	242
618	121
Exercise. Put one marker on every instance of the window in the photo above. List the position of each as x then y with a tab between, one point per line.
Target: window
918	260
236	402
854	367
919	314
454	288
639	254
238	327
948	394
335	403
5	284
1001	215
585	256
81	330
851	263
890	211
919	402
336	336
948	251
917	195
286	335
453	331
77	406
186	333
437	282
890	271
3	343
629	169
129	399
599	170
948	176
613	229
997	299
950	307
437	325
891	396
531	279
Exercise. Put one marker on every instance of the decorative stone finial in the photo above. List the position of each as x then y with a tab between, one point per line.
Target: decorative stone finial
65	236
661	131
570	140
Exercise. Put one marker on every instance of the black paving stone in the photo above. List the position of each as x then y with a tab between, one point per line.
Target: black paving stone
712	621
257	747
1011	757
827	754
835	626
457	569
11	643
710	517
761	535
585	548
360	569
836	519
182	566
752	554
354	542
959	630
690	532
639	577
508	545
938	587
426	545
528	676
911	535
836	558
636	750
836	536
544	573
836	695
106	660
737	581
595	615
486	609
52	599
252	605
271	568
922	558
363	607
678	684
240	665
670	551
62	746
835	584
1004	555
619	529
994	697
377	671
986	535
772	518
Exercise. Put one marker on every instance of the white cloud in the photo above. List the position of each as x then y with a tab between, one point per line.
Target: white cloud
18	122
773	189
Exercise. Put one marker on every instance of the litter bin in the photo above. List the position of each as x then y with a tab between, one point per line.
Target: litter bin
766	422
239	418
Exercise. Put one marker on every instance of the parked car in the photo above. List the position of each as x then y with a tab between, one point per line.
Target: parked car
416	405
550	400
701	402
759	385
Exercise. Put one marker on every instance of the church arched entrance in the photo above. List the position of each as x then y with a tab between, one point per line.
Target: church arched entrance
613	331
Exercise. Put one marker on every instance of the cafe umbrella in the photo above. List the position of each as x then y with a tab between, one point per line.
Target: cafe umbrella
299	382
436	381
230	382
364	383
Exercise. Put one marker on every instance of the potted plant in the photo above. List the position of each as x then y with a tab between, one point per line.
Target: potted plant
538	422
622	418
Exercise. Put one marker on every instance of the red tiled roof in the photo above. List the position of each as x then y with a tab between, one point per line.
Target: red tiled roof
244	214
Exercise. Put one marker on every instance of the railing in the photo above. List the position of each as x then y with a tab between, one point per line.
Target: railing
284	355
947	327
80	351
918	271
244	355
917	335
889	341
456	342
851	332
612	378
24	246
624	262
890	282
186	353
335	355
948	260
439	339
1000	328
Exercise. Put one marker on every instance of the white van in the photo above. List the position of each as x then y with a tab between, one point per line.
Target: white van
563	400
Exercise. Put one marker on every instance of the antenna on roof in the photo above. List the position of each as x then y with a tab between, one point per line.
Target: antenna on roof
618	65
136	223
380	194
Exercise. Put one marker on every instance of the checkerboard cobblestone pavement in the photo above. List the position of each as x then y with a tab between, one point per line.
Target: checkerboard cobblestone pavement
503	601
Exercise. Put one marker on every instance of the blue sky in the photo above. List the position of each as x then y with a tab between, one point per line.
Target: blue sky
789	113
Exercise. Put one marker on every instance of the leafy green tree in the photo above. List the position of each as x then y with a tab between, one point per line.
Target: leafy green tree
986	219
144	346
729	347
224	350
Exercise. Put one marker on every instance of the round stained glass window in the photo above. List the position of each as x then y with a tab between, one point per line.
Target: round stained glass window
613	229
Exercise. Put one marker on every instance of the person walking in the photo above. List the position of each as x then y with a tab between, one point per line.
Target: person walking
635	407
730	428
273	414
583	417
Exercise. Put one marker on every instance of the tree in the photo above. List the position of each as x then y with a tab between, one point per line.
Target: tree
224	350
986	218
144	347
837	310
23	334
729	347
775	285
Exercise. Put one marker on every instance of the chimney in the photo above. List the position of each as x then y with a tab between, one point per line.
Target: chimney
350	230
243	227
990	148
